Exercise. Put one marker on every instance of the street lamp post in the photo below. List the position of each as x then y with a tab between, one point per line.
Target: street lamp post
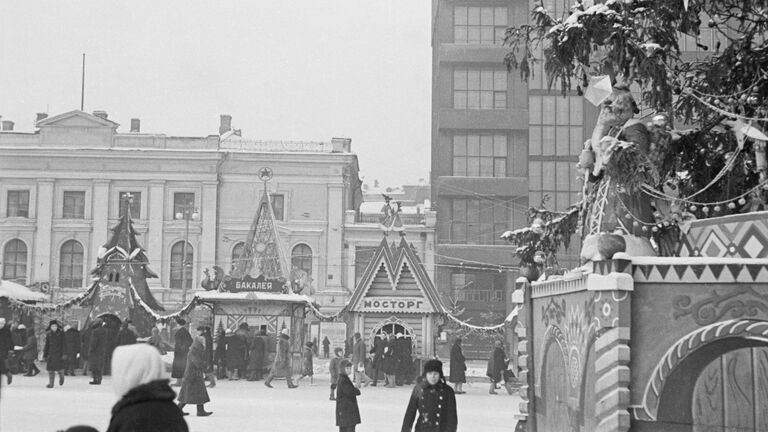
188	212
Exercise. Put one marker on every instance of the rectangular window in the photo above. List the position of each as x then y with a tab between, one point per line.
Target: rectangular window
278	206
183	201
479	25
132	200
74	205
18	203
478	221
480	155
475	88
484	287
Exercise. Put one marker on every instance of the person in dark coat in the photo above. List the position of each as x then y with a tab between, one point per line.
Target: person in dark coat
193	386
72	344
256	356
497	364
54	353
377	364
146	400
282	363
307	367
458	374
434	401
182	342
6	345
29	353
205	331
85	339
333	368
404	360
326	347
348	344
244	334
126	335
389	361
236	352
112	329
97	348
358	361
220	354
156	341
347	412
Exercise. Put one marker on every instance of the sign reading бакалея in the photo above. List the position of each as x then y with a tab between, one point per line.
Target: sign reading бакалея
257	284
395	304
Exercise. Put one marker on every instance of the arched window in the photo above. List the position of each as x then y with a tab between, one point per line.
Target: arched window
15	261
176	265
71	265
301	258
236	252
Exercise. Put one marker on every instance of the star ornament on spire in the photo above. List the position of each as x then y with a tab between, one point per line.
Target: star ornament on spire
265	174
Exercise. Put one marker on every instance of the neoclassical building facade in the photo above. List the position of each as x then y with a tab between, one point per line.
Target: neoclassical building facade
64	185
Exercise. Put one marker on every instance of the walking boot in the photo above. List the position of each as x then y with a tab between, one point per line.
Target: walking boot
291	385
181	407
9	377
51	377
493	388
268	382
201	412
213	381
61	378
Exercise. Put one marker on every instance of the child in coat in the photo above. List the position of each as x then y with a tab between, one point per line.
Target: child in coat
307	366
333	368
347	412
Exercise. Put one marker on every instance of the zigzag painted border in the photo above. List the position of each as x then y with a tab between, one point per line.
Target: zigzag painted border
687	270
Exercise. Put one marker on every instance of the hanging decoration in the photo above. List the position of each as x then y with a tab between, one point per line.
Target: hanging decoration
50	307
341	314
497	328
163	318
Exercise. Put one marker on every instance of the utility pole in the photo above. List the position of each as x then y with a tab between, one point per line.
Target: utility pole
188	212
82	87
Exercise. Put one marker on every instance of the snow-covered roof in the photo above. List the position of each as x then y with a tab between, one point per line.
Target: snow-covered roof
253	295
19	292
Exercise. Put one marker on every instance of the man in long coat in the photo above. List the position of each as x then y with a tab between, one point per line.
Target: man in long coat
404	360
54	353
72	344
126	335
193	389
358	361
458	374
97	348
497	364
256	357
282	364
182	342
389	361
29	352
6	344
378	358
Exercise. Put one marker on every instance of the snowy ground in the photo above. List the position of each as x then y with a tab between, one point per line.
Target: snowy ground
27	406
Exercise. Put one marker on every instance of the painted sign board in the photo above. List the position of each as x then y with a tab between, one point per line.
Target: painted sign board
258	284
395	304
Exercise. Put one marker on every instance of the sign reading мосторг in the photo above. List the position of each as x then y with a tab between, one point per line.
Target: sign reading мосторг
395	304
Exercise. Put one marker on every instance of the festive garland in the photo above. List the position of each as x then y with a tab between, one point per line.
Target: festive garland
163	318
471	328
47	308
324	317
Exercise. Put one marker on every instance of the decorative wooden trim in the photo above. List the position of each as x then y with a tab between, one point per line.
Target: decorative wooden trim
612	380
558	286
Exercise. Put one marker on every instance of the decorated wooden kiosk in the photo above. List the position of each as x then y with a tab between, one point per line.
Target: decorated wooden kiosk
396	295
258	291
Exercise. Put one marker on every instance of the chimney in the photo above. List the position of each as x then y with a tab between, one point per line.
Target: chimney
7	125
135	125
225	125
100	114
41	116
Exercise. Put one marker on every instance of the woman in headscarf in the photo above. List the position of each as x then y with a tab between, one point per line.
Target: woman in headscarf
434	400
146	400
54	353
193	385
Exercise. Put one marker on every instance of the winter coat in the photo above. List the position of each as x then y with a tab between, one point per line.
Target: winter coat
148	408
220	353
256	357
388	357
85	342
29	352
333	368
306	367
404	360
193	385
282	364
358	354
97	348
54	350
326	345
436	405
378	353
19	337
347	412
236	351
496	365
458	365
72	343
126	336
208	351
6	342
182	342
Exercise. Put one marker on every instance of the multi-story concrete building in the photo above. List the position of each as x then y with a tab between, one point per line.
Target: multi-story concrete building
499	145
61	188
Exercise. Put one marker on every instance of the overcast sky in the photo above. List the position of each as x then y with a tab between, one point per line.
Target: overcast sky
291	70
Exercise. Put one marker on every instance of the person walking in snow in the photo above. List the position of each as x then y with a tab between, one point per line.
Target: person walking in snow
146	400
333	368
347	411
358	361
497	364
54	353
193	389
181	345
434	400
72	344
307	368
29	352
282	363
256	356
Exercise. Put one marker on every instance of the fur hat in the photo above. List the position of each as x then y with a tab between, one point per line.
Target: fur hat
433	366
345	364
52	322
